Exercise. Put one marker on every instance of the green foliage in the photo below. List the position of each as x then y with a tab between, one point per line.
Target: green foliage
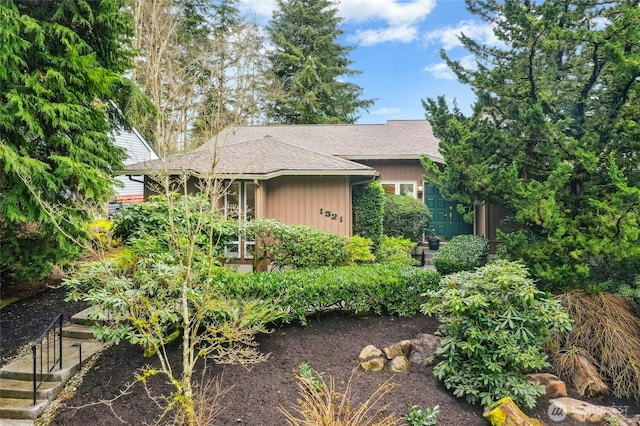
295	246
405	216
359	249
61	67
311	66
631	293
165	220
553	136
494	322
368	211
358	288
396	250
423	416
461	253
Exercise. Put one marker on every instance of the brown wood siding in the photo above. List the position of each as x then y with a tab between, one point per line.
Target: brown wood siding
323	202
406	170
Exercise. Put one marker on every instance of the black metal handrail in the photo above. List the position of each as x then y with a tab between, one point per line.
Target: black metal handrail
52	352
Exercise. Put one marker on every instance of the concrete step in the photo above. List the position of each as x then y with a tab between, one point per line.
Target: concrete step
14	408
21	389
22	368
89	317
78	331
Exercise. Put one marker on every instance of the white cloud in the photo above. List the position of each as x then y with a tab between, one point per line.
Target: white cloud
397	20
261	8
402	34
393	12
441	70
385	111
448	36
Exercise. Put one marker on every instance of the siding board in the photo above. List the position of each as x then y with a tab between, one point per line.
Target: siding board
298	200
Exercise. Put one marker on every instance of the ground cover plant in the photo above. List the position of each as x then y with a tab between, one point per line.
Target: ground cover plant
461	253
495	323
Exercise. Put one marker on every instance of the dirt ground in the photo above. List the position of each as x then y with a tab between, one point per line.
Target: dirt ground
330	344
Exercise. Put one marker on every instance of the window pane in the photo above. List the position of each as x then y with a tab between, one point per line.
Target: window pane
389	188
232	250
407	189
231	201
250	200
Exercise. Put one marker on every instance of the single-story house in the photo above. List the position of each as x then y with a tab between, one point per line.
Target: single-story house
305	174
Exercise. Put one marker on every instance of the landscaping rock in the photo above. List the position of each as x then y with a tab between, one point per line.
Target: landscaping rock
372	359
374	364
399	364
423	350
399	349
554	387
369	352
583	411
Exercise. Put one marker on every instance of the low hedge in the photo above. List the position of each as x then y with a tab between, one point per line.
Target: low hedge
374	288
461	253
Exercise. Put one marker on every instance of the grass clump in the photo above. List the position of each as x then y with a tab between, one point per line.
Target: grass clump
607	332
322	404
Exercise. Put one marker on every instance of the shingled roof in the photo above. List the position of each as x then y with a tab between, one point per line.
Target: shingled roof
397	139
262	158
264	152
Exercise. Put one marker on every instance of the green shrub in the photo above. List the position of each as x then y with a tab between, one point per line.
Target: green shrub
494	322
359	249
631	293
151	218
405	216
461	253
423	416
368	211
396	250
357	288
295	246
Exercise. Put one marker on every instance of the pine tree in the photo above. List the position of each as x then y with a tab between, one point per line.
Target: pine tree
553	136
60	67
311	66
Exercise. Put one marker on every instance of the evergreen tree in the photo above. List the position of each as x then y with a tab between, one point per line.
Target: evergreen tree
311	65
60	67
553	136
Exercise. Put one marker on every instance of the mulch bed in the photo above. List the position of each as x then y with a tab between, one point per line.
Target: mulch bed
330	343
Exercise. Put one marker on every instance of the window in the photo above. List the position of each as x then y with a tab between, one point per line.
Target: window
239	204
399	187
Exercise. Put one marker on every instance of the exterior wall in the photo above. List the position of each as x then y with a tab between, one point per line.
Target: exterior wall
137	151
491	217
397	170
323	202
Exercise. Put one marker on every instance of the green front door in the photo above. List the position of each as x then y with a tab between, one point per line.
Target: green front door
447	222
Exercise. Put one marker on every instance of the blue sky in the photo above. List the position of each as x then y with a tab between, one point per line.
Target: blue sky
396	46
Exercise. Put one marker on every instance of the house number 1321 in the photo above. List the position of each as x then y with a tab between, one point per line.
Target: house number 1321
330	214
